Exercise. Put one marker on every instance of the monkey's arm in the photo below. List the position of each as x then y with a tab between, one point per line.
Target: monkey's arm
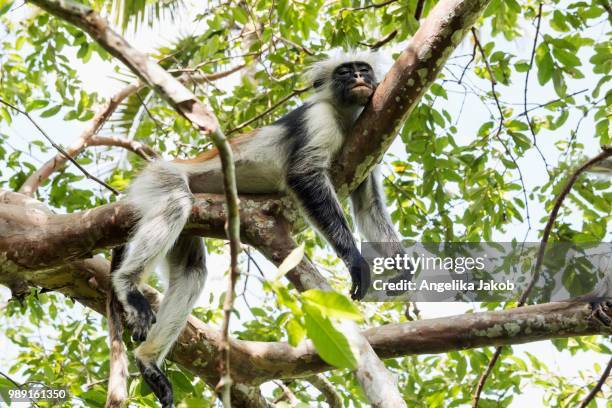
314	191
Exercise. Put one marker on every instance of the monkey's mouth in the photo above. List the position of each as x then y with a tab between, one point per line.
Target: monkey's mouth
361	86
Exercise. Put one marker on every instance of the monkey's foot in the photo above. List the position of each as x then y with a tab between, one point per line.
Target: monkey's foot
600	310
157	381
139	316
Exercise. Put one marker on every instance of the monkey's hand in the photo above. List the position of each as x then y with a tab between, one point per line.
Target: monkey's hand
139	316
360	275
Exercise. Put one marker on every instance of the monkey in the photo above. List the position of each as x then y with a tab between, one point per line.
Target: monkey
291	155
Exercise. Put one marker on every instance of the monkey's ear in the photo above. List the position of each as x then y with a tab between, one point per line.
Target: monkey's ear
318	83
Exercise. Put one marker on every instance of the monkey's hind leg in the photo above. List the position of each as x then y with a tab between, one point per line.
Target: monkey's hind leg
164	202
187	274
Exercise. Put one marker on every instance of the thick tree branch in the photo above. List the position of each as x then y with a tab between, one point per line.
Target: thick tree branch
402	88
334	400
86	280
256	362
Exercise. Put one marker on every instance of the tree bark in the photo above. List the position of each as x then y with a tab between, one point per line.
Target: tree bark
63	264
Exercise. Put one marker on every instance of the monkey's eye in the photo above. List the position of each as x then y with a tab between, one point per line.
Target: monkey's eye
364	71
344	72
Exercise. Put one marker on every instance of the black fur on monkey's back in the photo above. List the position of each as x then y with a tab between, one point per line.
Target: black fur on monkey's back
293	154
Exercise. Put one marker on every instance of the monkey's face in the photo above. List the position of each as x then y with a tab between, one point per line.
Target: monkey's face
353	83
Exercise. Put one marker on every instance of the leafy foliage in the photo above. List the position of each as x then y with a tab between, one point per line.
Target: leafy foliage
472	163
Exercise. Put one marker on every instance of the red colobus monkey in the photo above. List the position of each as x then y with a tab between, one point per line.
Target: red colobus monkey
293	154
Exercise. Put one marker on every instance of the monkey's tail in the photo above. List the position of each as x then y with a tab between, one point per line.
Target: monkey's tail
117	380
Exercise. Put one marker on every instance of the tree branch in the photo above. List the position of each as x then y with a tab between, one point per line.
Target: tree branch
402	88
65	155
602	380
141	149
35	179
89	135
28	223
607	152
334	400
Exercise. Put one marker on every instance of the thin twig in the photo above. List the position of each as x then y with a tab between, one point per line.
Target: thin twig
418	10
20	386
468	64
59	148
526	88
602	380
379	43
287	394
155	121
295	45
369	6
545	104
141	149
203	77
483	378
607	152
484	56
500	127
267	111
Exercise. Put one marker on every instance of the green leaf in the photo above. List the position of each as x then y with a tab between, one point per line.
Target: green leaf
545	64
296	331
558	22
331	344
521	66
5	7
438	90
240	15
566	57
5	386
37	104
20	41
4	113
285	298
331	304
50	112
559	83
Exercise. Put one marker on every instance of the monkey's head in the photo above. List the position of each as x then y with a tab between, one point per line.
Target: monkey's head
353	83
347	79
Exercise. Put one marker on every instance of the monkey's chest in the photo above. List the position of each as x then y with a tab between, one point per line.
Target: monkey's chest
324	142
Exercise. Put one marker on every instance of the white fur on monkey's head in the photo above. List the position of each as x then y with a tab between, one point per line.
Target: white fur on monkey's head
322	71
